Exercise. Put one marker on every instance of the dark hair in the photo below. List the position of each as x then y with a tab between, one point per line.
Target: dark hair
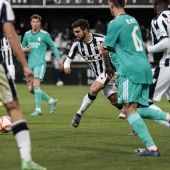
36	16
164	1
82	23
118	3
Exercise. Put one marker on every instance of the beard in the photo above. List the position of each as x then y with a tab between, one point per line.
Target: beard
81	38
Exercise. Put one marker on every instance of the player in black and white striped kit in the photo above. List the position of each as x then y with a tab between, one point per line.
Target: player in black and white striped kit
8	56
160	34
87	46
8	93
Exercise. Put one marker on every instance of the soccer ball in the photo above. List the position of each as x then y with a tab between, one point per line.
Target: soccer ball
59	83
5	124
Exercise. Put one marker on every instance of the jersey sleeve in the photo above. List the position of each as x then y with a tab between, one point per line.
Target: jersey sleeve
50	42
111	36
24	42
7	14
162	28
73	51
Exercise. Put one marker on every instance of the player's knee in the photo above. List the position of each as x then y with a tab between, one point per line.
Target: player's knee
93	91
12	106
113	99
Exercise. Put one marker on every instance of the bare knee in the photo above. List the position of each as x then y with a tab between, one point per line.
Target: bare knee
93	91
113	98
14	110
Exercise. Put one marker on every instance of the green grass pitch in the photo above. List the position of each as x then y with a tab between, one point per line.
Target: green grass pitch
101	142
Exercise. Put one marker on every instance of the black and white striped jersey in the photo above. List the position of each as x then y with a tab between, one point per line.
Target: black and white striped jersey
160	28
90	52
6	15
6	51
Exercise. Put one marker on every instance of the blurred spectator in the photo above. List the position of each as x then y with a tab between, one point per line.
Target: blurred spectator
59	82
144	33
67	34
46	25
22	29
18	31
99	27
68	46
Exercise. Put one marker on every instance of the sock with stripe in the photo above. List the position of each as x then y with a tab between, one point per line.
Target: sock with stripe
45	96
38	96
87	101
140	128
149	113
22	137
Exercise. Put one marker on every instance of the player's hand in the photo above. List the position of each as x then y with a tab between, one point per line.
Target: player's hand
27	49
67	70
101	48
29	76
109	72
61	65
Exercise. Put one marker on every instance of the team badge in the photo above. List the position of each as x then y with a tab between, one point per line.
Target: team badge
39	38
96	48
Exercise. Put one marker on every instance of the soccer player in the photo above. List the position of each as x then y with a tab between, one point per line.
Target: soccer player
87	45
8	93
161	52
35	43
124	39
160	32
7	57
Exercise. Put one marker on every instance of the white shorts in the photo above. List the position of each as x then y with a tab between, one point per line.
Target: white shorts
161	84
11	69
7	86
109	88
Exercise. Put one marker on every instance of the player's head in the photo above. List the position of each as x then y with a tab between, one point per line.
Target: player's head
160	5
35	21
116	4
81	29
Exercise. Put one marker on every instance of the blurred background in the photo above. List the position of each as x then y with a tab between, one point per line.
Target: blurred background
58	15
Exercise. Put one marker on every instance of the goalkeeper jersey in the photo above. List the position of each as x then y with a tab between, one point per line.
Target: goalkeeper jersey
38	43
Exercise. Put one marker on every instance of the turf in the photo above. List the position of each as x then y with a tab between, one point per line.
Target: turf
101	142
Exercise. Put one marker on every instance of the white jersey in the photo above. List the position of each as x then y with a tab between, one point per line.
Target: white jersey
90	52
160	28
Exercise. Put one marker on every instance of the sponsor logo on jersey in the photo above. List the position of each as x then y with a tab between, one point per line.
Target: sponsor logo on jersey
95	57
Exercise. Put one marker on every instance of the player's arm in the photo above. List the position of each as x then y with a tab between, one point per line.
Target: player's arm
164	39
25	47
160	46
72	53
67	64
50	42
109	72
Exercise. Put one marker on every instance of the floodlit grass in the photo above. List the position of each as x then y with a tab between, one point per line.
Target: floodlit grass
101	142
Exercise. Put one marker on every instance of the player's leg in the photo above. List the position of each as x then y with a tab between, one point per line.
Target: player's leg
52	102
97	85
19	126
161	84
39	73
131	95
110	92
87	101
38	96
